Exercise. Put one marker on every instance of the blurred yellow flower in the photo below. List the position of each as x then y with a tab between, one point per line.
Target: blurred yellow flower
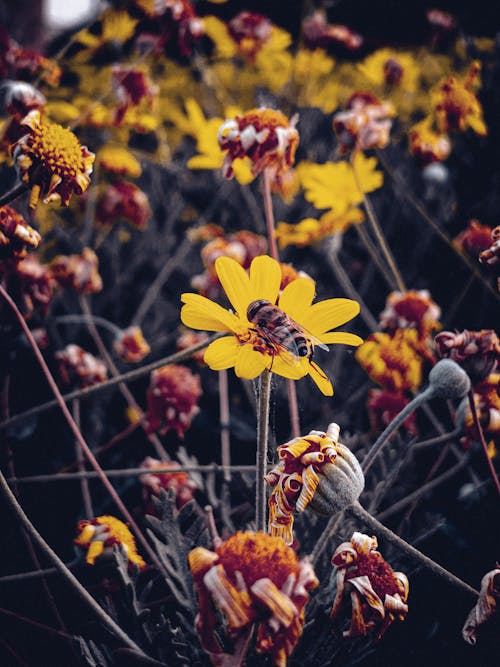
310	231
392	68
118	160
332	185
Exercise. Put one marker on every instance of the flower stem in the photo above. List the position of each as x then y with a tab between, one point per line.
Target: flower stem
357	511
84	482
16	192
482	440
330	530
262	440
84	596
225	443
377	230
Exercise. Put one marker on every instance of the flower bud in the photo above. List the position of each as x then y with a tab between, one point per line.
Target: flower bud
448	380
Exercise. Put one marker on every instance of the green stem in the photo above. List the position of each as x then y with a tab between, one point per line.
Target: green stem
262	441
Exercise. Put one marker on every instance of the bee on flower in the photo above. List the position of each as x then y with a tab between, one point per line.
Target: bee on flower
264	135
252	578
268	330
100	535
376	593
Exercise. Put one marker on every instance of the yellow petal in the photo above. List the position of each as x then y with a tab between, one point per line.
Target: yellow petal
335	337
236	283
222	353
265	278
204	162
250	363
288	368
319	377
329	314
297	297
201	313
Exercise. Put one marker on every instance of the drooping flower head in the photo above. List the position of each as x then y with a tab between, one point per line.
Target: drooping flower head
98	536
487	605
252	578
16	236
77	272
413	309
30	283
376	593
305	475
173	397
50	159
131	346
133	88
264	135
251	346
175	480
477	352
365	124
80	368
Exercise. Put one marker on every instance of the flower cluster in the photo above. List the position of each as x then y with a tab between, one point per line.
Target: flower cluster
376	593
477	352
173	396
101	535
252	578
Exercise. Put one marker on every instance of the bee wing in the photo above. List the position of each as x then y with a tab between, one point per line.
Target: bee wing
315	341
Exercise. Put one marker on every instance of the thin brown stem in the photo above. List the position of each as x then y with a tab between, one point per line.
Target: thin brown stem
84	483
16	192
262	445
479	430
325	537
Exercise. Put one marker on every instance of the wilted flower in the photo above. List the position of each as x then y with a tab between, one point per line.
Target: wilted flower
123	201
477	352
20	98
119	161
318	34
132	87
50	159
365	124
252	578
172	399
251	350
384	405
393	360
266	136
456	106
188	338
376	593
30	283
475	239
250	31
29	64
131	345
15	234
413	309
77	272
80	368
177	481
487	401
171	21
315	470
485	607
426	144
491	256
100	535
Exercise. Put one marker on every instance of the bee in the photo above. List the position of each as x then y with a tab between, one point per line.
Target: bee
280	333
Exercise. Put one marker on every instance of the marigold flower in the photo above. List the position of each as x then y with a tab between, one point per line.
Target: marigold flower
491	256
119	161
50	159
289	273
247	348
310	231
377	594
393	360
250	31
30	283
172	21
317	33
413	309
426	144
77	272
456	105
477	352
172	399
266	136
304	477
475	239
15	234
486	606
252	578
384	406
188	338
365	124
80	368
153	482
100	535
131	345
124	201
132	87
487	401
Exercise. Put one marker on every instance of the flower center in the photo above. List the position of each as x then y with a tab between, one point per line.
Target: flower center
258	556
57	148
379	572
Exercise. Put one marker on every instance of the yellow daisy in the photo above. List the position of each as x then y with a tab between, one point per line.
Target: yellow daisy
245	348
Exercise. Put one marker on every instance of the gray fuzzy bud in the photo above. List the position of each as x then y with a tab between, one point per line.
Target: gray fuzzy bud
340	483
448	380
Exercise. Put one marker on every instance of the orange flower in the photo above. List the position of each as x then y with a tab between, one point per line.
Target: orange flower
172	399
252	578
80	368
131	345
377	594
50	159
123	201
77	272
475	239
98	536
15	234
413	309
456	105
177	481
250	31
266	136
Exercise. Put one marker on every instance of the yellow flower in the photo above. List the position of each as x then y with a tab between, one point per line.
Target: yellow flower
332	185
101	534
249	349
426	144
61	111
312	72
390	67
116	26
456	105
393	360
310	231
51	160
118	160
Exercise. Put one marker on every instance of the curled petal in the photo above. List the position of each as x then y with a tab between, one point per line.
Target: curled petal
403	585
310	480
280	605
345	554
294	448
340	580
201	560
363	543
394	605
233	603
365	589
358	625
485	607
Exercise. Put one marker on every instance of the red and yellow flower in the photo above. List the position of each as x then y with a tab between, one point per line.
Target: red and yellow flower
100	535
